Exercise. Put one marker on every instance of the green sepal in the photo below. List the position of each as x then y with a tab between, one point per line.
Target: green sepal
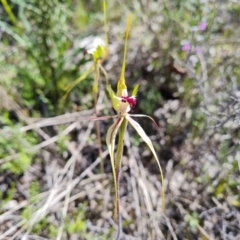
135	90
115	100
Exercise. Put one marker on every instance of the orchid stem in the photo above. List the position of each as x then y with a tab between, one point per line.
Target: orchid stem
95	95
105	73
119	154
98	135
9	12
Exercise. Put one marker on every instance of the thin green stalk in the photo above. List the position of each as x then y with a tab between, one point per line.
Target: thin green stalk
105	73
9	12
98	135
95	95
119	154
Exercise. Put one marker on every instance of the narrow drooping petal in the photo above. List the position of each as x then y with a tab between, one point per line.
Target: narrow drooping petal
110	139
146	116
148	141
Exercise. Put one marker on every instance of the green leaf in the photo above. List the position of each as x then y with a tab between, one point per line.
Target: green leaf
19	165
76	227
148	141
69	88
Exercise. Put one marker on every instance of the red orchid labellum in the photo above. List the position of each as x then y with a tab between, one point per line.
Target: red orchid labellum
131	101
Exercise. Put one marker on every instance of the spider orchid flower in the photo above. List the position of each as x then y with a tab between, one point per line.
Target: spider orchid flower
123	105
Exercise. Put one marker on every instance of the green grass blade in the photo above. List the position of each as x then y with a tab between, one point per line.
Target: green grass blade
77	81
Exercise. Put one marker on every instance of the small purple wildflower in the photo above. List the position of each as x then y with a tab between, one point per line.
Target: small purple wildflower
186	47
198	49
202	26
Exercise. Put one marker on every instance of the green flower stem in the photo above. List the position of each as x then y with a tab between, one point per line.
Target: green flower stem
105	73
95	95
96	78
9	12
119	154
